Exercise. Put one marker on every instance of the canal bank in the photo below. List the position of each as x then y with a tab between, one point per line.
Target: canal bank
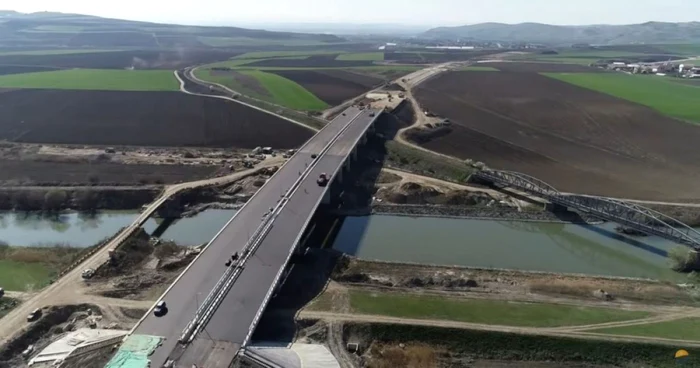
537	246
36	247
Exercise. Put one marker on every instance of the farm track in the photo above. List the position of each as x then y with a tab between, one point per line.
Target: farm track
71	288
559	332
189	76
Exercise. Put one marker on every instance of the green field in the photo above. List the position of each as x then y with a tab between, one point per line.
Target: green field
373	56
233	63
95	79
31	268
286	92
20	276
566	60
277	54
248	41
55	52
672	99
483	311
230	82
681	329
282	91
682	49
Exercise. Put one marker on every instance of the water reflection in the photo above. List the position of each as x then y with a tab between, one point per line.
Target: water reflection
555	247
72	228
86	229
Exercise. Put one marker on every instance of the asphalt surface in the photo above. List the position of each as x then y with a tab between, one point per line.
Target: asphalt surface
235	315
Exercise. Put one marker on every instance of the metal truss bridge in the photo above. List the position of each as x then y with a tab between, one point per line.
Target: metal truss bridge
630	215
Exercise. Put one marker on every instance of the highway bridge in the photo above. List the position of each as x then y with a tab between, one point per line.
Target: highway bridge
229	301
628	214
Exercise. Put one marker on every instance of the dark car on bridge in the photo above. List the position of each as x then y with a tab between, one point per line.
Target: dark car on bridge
322	180
161	309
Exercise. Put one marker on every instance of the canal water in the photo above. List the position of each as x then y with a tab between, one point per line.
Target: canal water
83	230
539	246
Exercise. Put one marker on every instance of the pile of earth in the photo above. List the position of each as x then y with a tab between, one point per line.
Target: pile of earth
54	321
414	193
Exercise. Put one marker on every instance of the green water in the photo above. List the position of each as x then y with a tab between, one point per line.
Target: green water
539	246
83	230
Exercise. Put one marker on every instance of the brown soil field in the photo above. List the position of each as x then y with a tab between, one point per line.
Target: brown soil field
576	139
436	56
23	172
139	59
140	118
329	88
362	79
19	69
314	61
643	49
541	67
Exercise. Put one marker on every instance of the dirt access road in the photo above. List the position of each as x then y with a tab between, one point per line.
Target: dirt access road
409	82
189	73
573	331
69	289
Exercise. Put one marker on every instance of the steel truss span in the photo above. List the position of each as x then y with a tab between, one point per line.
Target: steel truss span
627	214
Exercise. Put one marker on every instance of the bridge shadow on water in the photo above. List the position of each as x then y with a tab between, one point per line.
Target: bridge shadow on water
611	234
625	239
311	271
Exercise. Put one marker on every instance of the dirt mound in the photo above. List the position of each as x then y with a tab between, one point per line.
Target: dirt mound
38	333
418	194
464	198
425	135
132	253
393	87
405	113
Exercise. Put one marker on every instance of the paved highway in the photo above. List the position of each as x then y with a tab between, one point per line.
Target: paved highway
231	322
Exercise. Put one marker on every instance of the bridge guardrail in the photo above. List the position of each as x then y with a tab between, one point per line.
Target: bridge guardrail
266	300
225	282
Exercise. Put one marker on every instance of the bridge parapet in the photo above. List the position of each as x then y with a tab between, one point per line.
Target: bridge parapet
628	214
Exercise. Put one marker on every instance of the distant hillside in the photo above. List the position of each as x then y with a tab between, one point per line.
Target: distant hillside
650	32
72	30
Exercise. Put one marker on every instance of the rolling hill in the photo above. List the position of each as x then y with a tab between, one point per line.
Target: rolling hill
48	29
650	32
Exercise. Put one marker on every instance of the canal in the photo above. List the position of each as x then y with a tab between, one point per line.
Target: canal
539	246
83	230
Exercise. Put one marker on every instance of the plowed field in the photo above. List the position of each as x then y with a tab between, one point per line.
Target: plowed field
541	67
576	139
314	61
140	118
332	86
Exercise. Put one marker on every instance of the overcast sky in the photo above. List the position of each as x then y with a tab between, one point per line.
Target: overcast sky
414	12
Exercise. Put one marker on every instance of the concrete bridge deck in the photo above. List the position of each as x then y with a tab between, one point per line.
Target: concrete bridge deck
230	326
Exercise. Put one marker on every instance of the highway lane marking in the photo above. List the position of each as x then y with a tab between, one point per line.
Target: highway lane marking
226	225
316	136
306	224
